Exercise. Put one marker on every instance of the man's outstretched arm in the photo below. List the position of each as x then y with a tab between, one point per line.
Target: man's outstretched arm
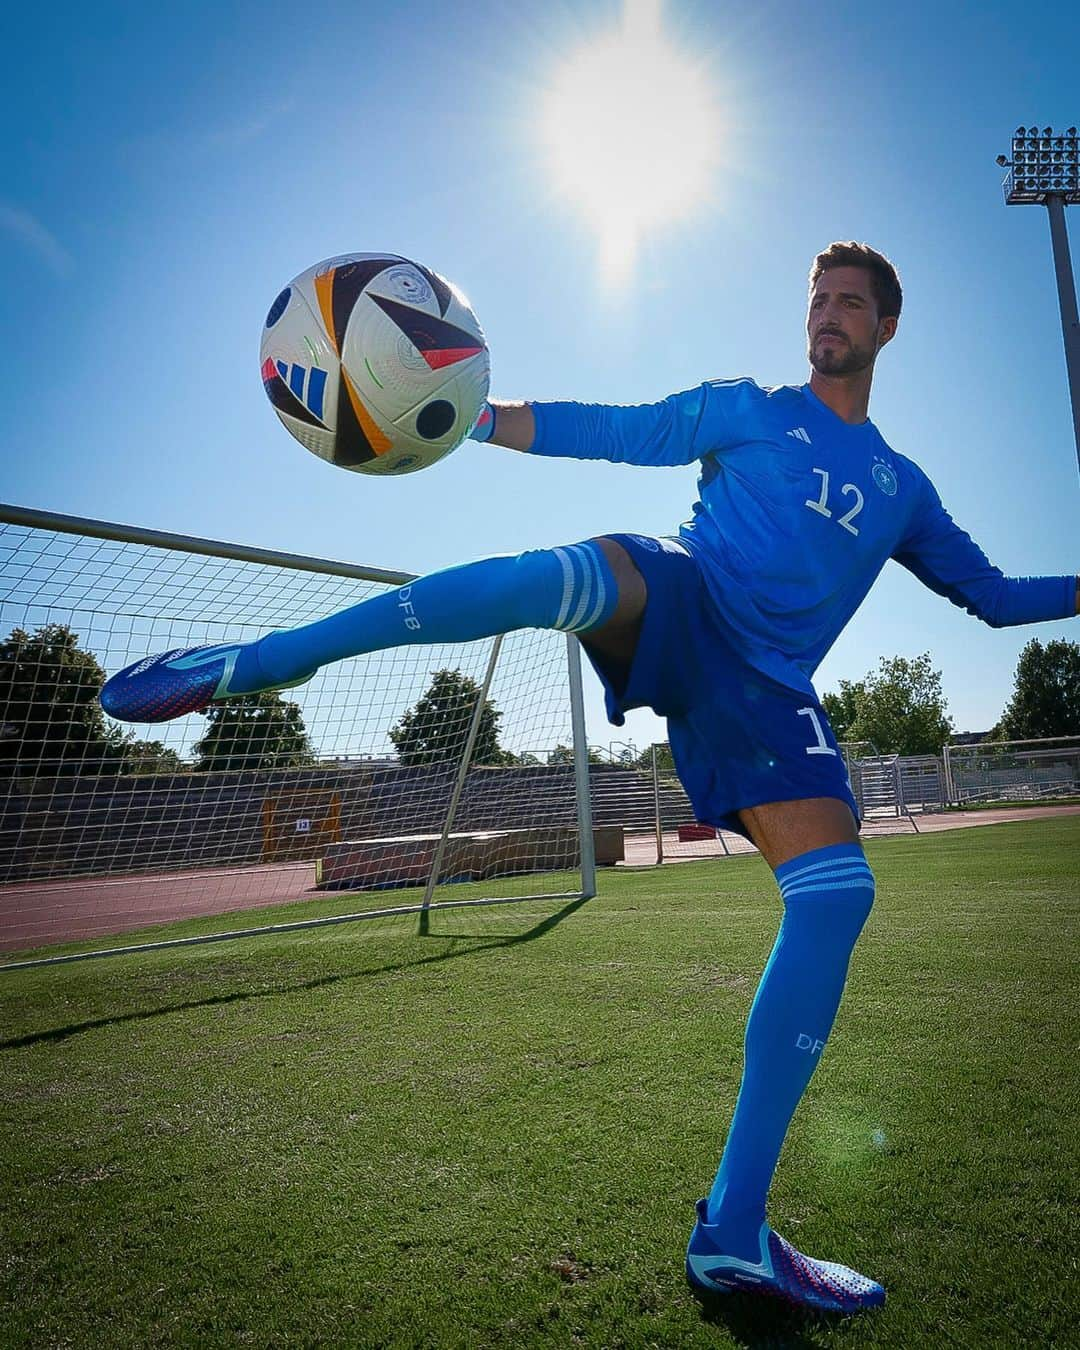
947	560
677	430
651	433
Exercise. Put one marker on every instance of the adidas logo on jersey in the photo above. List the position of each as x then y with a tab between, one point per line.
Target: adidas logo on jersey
800	435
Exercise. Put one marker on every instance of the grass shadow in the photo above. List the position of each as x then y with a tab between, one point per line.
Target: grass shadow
490	944
509	939
763	1323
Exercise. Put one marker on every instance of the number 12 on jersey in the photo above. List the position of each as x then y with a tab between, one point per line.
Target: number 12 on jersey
822	507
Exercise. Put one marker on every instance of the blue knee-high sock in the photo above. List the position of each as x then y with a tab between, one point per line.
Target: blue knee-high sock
571	589
827	896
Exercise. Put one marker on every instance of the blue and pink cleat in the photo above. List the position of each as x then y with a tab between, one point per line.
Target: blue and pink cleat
186	680
782	1272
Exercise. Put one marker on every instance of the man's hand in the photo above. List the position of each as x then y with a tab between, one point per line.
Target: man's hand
509	424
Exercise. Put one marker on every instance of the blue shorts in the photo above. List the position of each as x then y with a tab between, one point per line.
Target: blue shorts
738	738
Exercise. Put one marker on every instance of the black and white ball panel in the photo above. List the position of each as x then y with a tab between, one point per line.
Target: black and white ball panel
375	363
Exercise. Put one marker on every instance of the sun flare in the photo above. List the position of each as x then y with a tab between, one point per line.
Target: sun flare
631	134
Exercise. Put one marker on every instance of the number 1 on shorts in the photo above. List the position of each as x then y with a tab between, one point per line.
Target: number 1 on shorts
822	747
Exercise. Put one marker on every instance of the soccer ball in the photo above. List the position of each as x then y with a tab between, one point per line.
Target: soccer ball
374	363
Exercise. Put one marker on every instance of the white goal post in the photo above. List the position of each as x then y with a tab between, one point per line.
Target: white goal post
999	771
412	779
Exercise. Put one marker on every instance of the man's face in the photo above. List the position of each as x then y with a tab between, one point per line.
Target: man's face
843	330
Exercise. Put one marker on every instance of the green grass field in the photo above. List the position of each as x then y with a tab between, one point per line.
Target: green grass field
493	1135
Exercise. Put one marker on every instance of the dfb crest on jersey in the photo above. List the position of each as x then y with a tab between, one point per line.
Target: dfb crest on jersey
884	478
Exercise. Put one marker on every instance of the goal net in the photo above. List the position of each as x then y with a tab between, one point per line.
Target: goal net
1013	771
422	775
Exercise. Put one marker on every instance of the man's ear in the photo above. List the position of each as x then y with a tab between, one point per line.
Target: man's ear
887	331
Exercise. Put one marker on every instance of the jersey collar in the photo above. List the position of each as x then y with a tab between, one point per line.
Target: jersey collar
815	402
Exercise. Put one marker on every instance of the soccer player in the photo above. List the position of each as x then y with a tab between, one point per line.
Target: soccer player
719	629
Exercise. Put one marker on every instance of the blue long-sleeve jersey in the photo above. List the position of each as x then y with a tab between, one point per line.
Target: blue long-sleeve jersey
797	513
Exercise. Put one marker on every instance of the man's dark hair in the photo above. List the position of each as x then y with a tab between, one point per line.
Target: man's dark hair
884	281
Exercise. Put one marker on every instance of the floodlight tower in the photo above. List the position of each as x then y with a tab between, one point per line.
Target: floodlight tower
1045	171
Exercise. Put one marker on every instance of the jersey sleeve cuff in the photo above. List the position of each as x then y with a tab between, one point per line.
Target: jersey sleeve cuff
559	431
540	437
1033	600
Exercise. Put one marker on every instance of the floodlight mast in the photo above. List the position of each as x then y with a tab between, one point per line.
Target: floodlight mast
1045	171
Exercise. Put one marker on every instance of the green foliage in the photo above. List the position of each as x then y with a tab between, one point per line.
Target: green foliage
1046	693
142	757
564	754
842	709
254	731
900	707
665	763
50	719
436	728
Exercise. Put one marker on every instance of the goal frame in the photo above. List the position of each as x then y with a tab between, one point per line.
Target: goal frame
55	522
952	753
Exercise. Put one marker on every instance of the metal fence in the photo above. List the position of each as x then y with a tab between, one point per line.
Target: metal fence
1031	770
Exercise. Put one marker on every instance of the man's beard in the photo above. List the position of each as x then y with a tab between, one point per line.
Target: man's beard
839	360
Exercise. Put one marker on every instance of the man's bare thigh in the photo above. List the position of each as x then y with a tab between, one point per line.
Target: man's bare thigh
785	830
615	642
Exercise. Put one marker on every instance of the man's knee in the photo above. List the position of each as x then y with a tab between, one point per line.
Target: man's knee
630	582
827	898
616	639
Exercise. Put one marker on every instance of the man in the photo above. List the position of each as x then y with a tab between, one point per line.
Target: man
720	631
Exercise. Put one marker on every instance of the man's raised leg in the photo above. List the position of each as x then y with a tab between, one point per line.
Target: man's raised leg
584	588
828	889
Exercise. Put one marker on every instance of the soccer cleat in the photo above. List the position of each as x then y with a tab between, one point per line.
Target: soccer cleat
185	680
782	1272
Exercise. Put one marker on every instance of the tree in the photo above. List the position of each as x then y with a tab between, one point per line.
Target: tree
254	731
50	718
436	728
564	754
1046	693
665	763
900	707
842	709
143	757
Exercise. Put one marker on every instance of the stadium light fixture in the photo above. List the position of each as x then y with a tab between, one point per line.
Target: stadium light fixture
1045	171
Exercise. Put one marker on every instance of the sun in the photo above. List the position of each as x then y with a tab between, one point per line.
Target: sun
631	134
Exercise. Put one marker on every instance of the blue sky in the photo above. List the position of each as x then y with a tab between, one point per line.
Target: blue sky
167	169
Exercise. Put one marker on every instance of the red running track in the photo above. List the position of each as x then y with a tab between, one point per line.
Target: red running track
36	914
40	912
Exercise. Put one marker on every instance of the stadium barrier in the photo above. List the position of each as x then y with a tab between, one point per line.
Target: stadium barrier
1039	769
